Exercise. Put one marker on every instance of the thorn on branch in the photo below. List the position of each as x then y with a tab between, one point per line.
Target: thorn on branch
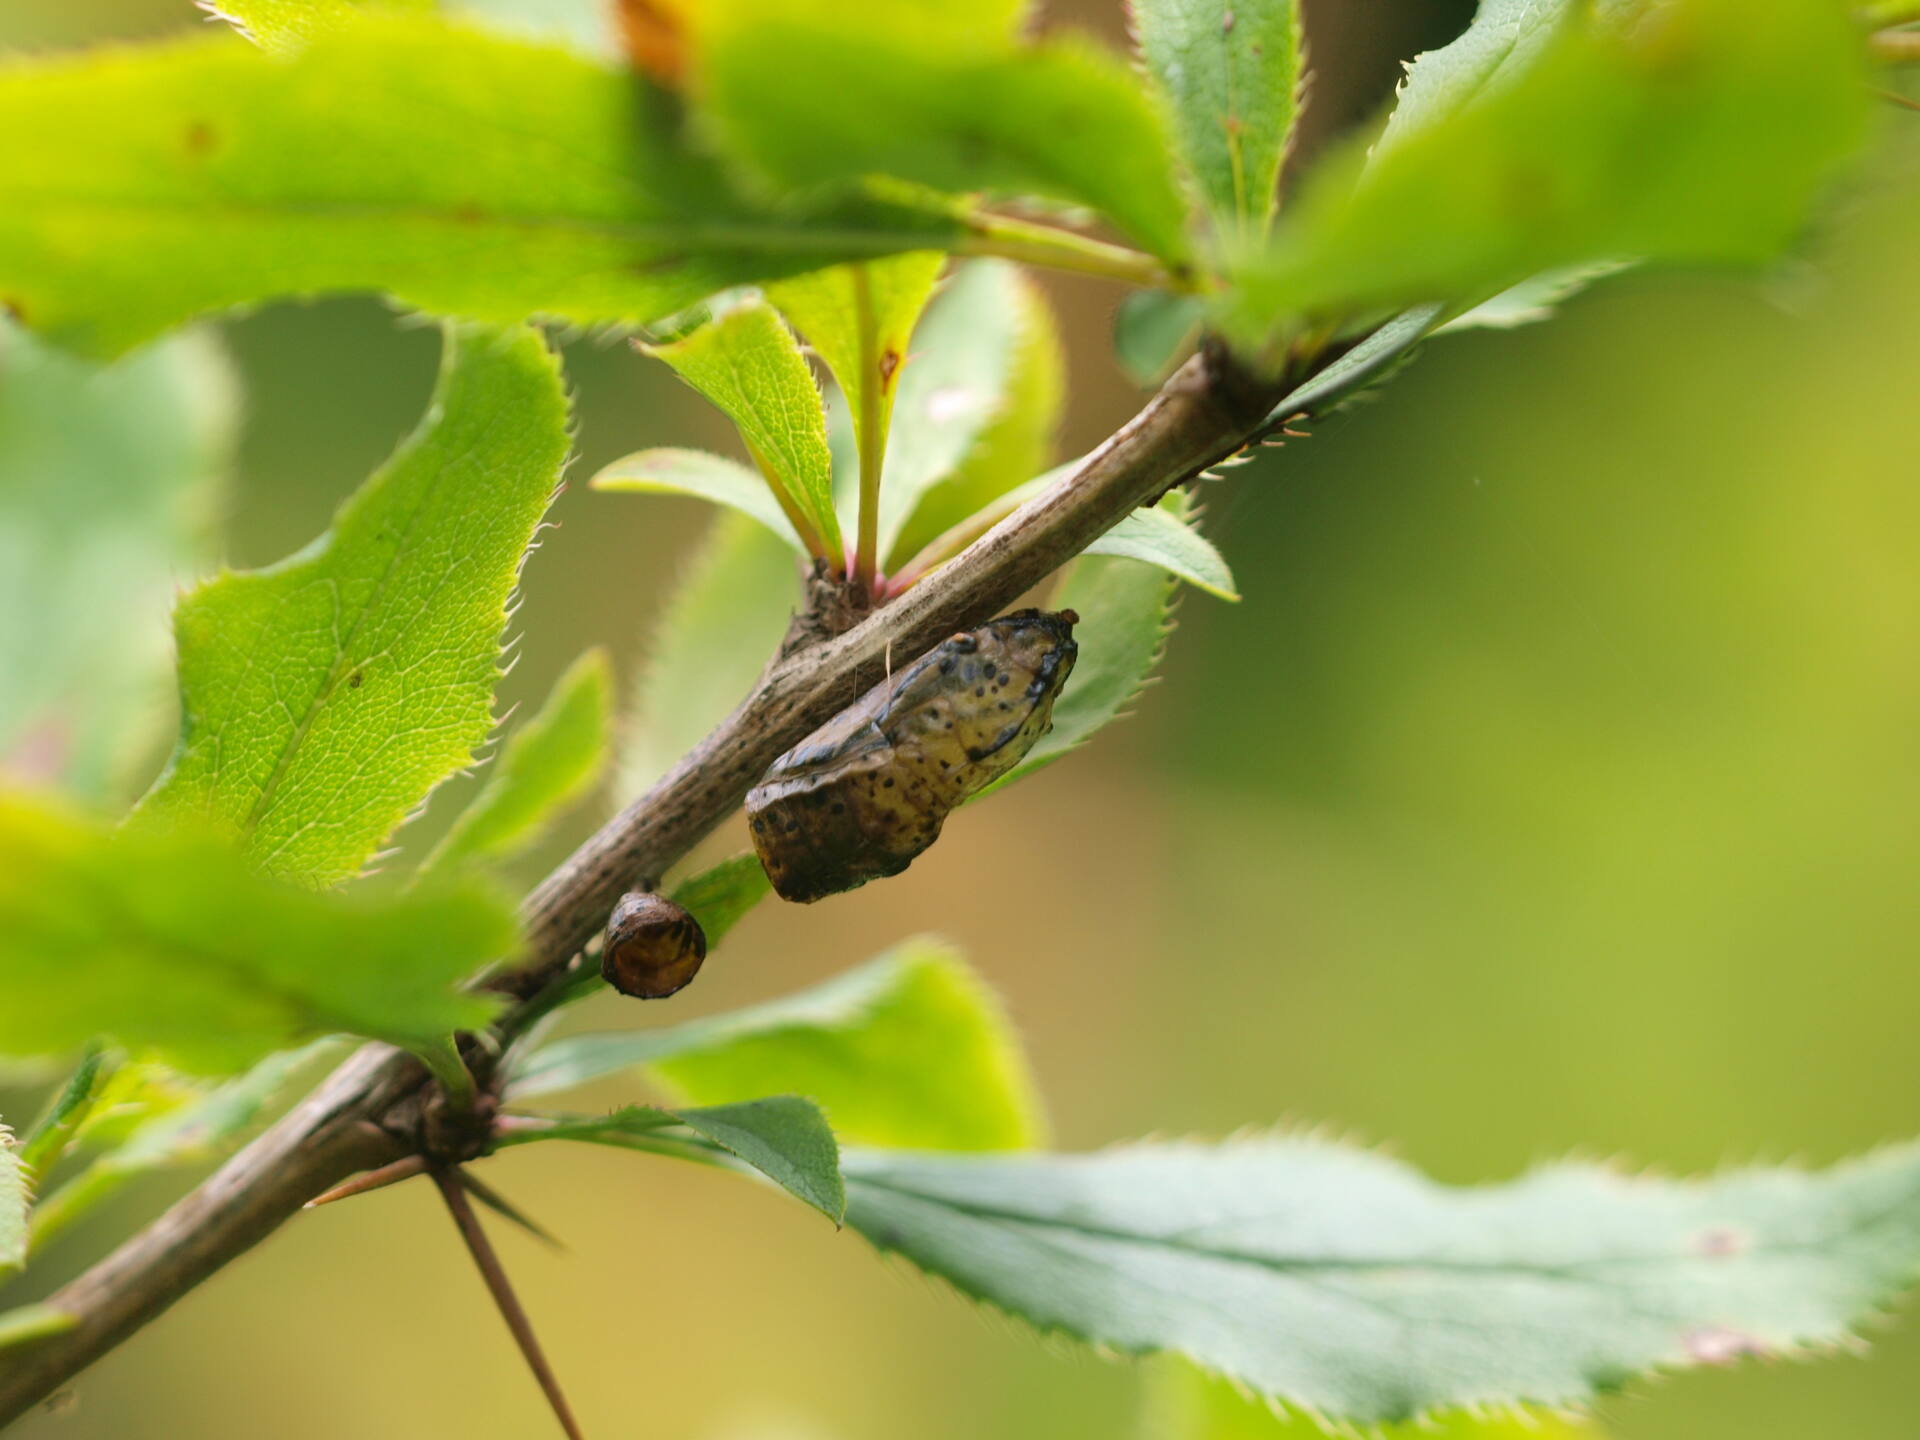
453	1189
405	1168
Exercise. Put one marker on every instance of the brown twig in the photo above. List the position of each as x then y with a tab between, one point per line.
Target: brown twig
368	1113
511	1310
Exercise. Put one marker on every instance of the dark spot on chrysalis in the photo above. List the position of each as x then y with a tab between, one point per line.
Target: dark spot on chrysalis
200	137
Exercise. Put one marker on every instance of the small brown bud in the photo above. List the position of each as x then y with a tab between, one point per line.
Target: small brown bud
654	947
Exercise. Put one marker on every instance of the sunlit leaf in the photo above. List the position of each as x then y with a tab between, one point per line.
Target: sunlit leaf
1562	134
467	173
816	94
747	362
908	1050
1227	72
1186	1403
108	483
784	1137
170	942
978	409
202	1128
324	697
1163	535
858	319
703	476
715	636
289	24
545	765
1345	1283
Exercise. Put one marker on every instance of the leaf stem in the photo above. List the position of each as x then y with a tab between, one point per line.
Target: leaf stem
495	1275
1058	249
872	435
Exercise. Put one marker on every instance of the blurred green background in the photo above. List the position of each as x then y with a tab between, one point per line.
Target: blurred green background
1554	788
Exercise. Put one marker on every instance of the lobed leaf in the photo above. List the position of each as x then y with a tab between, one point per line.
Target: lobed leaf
1346	1284
978	409
324	697
109	477
815	94
783	1137
724	623
1563	134
466	173
170	942
747	362
910	1049
1226	74
704	477
546	765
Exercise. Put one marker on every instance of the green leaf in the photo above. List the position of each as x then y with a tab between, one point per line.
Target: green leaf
108	479
978	408
28	1323
1163	536
16	1196
703	476
546	765
1562	134
784	1137
817	94
289	24
1186	1403
1533	299
1227	74
858	319
747	362
323	698
66	1113
910	1049
720	897
468	174
1125	606
1344	1283
1152	330
725	622
199	1127
169	941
